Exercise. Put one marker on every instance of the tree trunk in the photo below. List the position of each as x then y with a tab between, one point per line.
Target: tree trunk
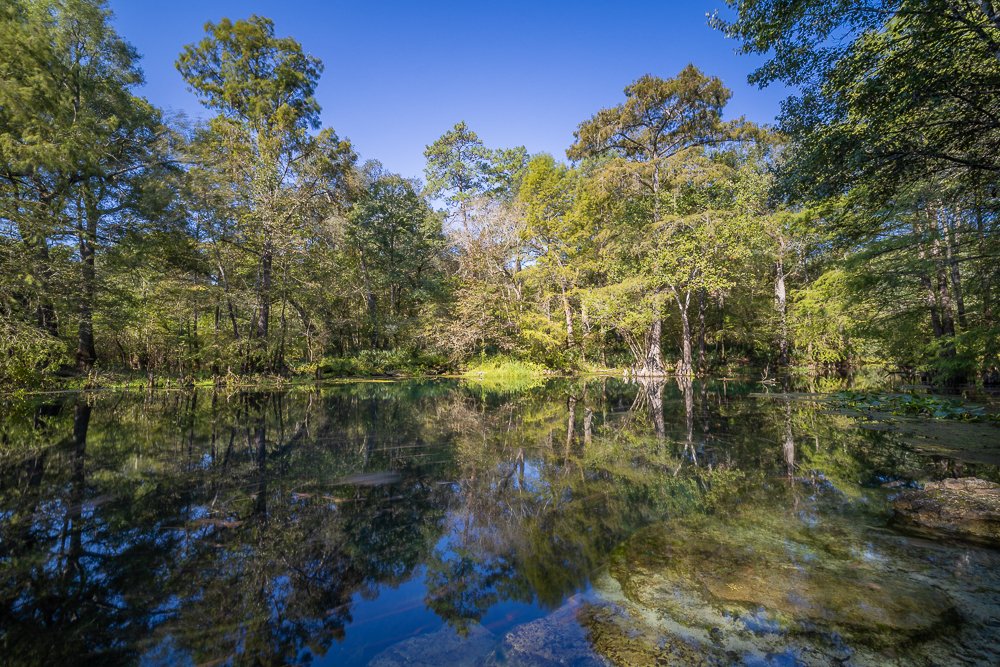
568	312
570	426
86	353
924	276
942	297
258	349
229	300
702	305
788	447
687	389
944	300
685	367
45	312
951	242
81	423
654	395
652	360
40	268
264	292
781	303
987	292
371	303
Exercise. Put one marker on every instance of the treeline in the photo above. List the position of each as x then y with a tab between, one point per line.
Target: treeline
861	230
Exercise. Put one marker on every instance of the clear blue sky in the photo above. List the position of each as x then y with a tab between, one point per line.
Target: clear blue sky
399	74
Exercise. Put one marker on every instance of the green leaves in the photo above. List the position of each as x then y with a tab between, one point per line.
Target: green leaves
890	93
241	69
659	119
461	168
457	166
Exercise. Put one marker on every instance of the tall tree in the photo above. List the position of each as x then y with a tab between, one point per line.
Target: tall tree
552	232
458	169
77	147
660	120
895	121
890	91
263	88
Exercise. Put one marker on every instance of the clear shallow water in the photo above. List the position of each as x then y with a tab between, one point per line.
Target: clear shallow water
578	522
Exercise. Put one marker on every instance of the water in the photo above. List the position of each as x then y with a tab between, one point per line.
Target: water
575	522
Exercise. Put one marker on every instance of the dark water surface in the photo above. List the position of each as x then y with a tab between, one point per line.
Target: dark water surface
579	522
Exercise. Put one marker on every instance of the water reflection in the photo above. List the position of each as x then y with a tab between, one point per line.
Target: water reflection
336	525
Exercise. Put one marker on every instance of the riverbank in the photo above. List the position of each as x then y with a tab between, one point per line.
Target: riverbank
366	366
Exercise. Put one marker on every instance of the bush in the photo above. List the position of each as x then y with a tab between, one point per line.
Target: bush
372	363
27	354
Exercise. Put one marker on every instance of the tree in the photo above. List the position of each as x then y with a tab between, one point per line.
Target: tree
397	243
552	232
479	187
895	126
78	150
661	120
263	88
891	91
458	169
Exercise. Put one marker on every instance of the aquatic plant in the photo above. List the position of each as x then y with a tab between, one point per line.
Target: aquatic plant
913	405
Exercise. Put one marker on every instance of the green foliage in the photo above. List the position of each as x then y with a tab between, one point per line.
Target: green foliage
241	69
825	323
27	356
891	132
503	366
664	185
395	245
377	363
889	95
254	245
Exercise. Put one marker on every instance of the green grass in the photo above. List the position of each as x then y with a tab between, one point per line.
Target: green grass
505	374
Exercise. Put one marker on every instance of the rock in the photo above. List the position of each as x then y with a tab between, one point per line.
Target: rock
773	581
623	641
553	641
444	647
967	508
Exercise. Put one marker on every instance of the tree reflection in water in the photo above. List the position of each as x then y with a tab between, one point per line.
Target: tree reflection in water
261	527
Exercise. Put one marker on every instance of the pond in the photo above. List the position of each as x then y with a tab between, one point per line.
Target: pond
570	522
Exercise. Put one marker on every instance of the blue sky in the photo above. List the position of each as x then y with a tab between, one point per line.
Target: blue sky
399	74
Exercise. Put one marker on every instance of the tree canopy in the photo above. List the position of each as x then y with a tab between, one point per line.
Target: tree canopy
674	238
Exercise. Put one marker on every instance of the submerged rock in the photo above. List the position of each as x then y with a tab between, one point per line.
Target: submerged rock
444	647
623	641
553	641
723	588
967	508
558	639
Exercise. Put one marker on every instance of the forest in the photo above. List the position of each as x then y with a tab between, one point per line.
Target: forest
670	238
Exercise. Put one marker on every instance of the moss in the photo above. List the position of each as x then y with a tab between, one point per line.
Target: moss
623	641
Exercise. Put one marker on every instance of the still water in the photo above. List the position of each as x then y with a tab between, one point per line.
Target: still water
573	522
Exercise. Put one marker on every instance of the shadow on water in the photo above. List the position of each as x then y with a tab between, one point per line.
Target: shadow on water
415	522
